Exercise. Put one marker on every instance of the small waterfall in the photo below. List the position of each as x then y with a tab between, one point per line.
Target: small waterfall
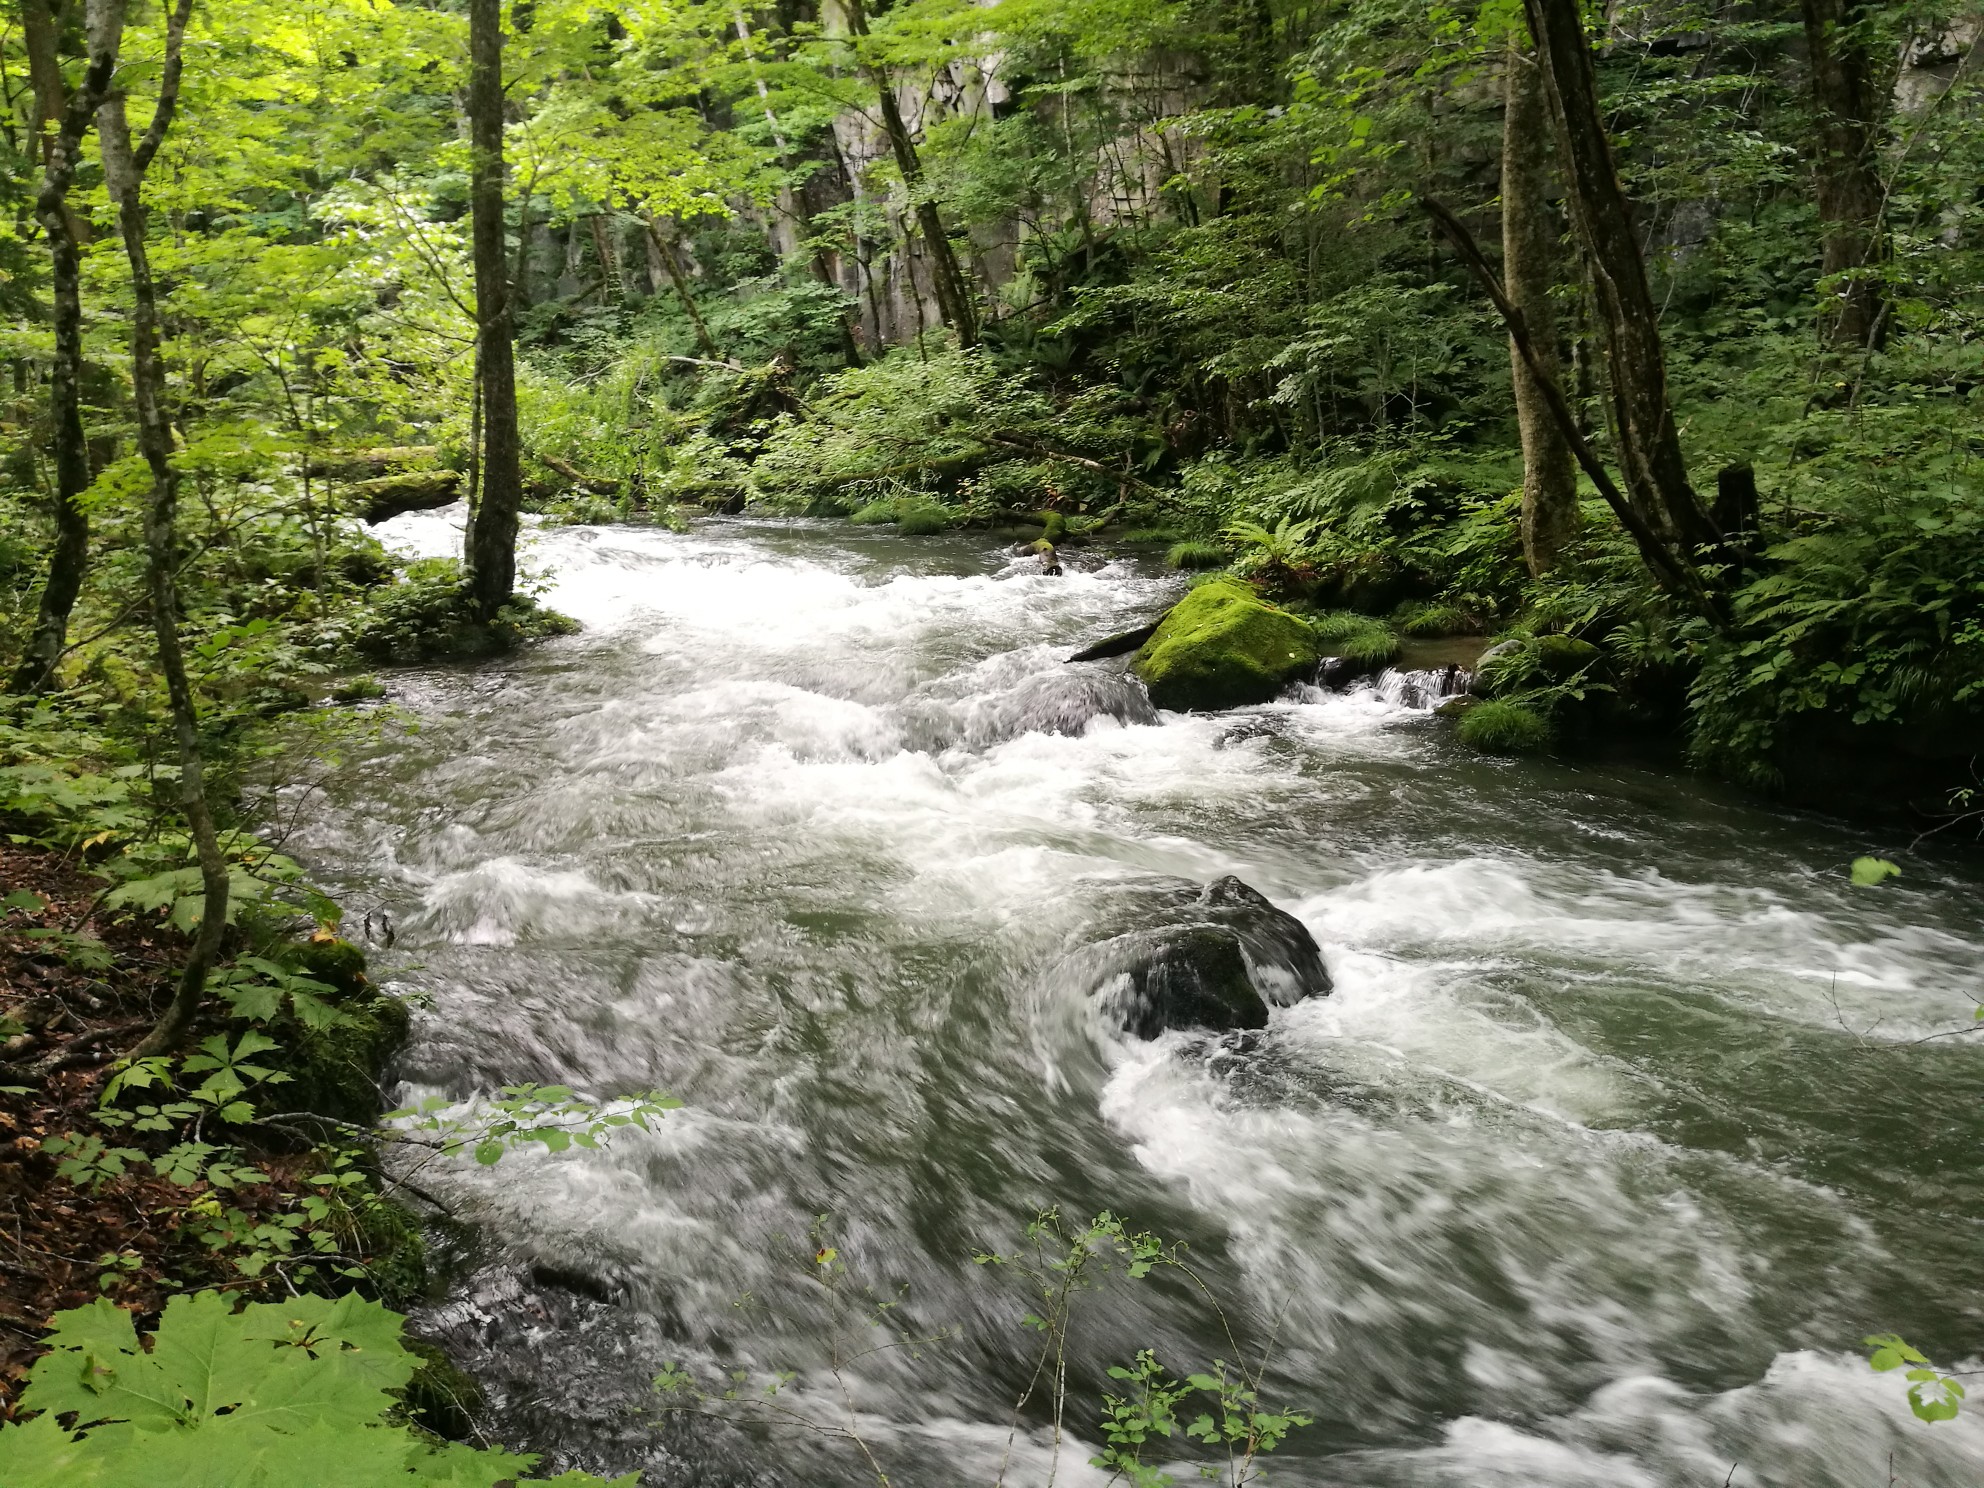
1417	689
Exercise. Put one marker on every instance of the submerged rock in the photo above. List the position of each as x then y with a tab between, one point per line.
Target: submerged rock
1218	957
1223	646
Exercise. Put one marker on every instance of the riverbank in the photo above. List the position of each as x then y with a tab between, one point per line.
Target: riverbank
137	1190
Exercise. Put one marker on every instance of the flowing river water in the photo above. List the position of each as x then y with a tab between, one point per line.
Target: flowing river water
1617	1134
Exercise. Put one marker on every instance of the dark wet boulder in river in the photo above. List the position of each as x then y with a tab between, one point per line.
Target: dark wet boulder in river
1192	976
1283	956
1218	958
1223	646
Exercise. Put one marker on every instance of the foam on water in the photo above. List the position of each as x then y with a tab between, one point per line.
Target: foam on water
1572	1181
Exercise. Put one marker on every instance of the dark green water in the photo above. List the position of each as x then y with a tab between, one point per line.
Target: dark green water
1614	1139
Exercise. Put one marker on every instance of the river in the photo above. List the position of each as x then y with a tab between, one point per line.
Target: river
1617	1134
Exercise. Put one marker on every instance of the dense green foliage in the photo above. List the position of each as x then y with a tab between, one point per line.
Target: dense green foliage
303	1392
1077	272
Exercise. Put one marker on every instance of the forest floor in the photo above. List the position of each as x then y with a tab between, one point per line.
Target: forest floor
79	988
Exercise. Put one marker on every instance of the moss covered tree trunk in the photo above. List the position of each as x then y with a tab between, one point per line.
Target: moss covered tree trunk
124	173
1647	443
1549	470
1848	106
62	150
489	559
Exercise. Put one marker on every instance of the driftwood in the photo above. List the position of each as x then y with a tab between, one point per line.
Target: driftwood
1026	446
597	485
1121	644
367	464
389	496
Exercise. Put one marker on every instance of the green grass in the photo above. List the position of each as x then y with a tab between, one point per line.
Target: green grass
1504	728
1431	621
1197	555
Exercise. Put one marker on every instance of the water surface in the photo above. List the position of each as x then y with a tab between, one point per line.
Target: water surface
1617	1134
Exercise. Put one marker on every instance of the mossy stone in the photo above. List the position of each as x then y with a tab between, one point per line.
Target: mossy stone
1197	555
335	1070
1223	646
440	1397
337	963
1564	656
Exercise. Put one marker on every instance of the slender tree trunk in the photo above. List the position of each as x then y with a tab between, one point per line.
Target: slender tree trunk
124	173
70	557
1549	470
1671	567
705	342
490	555
954	299
1848	106
1642	419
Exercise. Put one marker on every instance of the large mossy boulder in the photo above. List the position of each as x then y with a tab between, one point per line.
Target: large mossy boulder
1223	646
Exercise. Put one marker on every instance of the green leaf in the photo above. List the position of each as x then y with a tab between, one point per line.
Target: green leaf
1867	872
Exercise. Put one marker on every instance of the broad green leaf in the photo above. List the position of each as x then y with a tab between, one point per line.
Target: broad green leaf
1867	872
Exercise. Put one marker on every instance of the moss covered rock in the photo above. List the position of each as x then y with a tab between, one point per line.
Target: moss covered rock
337	963
336	1070
1223	646
1564	656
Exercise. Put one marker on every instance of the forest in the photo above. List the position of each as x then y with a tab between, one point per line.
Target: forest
583	873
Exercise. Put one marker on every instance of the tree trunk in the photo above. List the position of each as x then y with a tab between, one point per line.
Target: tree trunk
1549	470
1848	106
705	342
490	555
954	299
1641	418
70	556
124	174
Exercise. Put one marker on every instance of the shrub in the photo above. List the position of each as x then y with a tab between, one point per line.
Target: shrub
305	1392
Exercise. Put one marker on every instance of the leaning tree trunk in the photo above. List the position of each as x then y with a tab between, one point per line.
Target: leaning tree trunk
70	555
954	299
124	174
1640	415
1848	106
490	554
1549	469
